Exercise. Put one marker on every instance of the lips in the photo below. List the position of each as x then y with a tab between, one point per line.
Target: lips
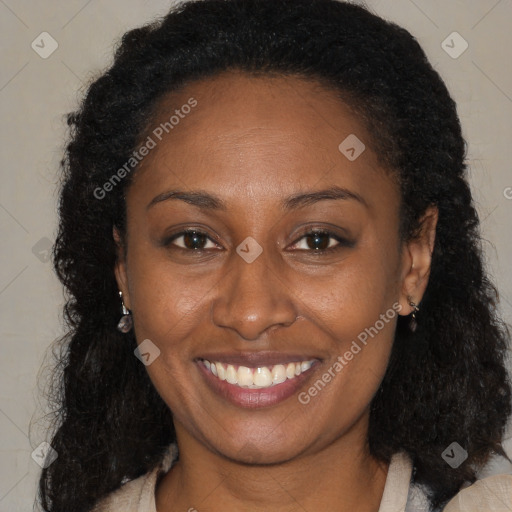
272	379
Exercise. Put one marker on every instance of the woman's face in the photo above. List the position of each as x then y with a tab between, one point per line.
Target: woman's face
252	290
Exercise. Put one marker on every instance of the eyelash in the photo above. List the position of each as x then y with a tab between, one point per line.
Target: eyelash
342	242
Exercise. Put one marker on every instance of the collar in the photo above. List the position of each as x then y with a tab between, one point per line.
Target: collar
396	489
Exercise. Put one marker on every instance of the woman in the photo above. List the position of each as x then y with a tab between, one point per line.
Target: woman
277	299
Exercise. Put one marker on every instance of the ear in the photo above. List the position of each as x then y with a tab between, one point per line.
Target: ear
416	261
120	266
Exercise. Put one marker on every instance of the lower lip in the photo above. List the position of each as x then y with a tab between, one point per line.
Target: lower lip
255	398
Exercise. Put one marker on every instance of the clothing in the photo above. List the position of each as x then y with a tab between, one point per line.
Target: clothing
492	494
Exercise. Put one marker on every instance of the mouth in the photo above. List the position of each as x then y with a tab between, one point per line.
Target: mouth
256	380
260	377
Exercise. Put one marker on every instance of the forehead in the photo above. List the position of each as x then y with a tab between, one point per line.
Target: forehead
263	134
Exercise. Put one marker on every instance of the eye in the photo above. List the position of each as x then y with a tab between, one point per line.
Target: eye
314	241
319	241
191	240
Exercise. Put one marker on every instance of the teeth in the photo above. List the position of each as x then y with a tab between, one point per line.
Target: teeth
231	375
305	365
278	374
221	372
257	378
262	377
244	376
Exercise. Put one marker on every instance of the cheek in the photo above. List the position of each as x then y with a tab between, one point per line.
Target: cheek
356	305
353	294
354	310
167	303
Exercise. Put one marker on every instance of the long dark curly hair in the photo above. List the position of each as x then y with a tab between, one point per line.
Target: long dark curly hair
445	382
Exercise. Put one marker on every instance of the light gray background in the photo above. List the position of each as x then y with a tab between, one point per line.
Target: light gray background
35	93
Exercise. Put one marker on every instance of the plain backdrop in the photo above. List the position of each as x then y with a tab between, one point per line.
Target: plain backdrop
36	93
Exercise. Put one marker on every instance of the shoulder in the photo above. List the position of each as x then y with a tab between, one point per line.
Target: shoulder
492	494
127	498
138	495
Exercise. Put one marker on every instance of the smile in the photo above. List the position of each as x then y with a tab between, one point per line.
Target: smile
256	378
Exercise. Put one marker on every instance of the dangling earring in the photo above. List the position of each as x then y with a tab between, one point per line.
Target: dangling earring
126	323
413	323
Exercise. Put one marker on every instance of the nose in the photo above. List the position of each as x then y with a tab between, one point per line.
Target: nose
252	298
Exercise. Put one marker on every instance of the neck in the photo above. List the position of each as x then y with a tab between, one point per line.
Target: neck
341	477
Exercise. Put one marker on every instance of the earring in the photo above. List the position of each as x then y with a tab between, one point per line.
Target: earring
413	323
125	323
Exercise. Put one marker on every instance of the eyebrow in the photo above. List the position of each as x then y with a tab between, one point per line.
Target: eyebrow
208	201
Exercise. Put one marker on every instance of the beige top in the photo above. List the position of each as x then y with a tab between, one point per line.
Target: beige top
491	494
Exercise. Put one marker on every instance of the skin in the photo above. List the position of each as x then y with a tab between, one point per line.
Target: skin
254	141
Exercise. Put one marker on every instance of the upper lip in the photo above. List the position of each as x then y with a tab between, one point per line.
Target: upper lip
256	359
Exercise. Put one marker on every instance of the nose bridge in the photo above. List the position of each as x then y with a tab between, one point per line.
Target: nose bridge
253	296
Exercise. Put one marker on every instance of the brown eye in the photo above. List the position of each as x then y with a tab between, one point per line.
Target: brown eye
320	241
191	240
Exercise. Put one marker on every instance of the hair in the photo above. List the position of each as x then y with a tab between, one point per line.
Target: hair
445	382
